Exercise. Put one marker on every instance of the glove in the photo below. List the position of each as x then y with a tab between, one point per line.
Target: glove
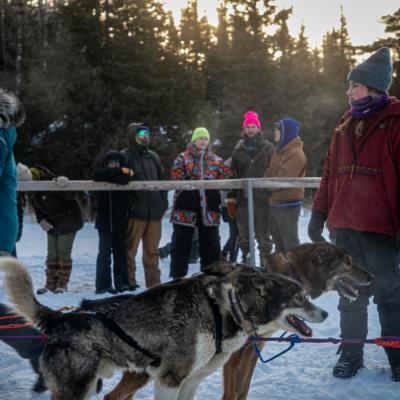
231	207
316	226
62	181
46	226
127	171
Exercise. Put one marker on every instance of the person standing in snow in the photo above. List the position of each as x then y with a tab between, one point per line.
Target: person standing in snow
288	161
199	208
60	216
111	223
250	159
147	207
359	196
12	115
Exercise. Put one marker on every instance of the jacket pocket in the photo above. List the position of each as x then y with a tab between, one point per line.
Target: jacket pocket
187	200
213	199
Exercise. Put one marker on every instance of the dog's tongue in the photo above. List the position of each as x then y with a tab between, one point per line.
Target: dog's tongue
351	288
304	326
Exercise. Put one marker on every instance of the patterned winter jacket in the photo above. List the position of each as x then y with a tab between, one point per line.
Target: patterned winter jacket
194	164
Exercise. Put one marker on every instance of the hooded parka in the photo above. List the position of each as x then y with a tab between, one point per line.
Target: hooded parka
146	205
360	188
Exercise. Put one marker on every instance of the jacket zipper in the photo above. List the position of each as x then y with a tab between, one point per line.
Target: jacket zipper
202	190
111	218
147	178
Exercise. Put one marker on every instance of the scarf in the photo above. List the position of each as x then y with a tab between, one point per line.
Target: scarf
366	106
251	143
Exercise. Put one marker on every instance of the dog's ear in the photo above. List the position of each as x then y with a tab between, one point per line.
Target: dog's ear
262	284
318	254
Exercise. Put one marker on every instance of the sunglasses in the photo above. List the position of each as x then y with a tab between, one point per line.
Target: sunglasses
142	133
113	162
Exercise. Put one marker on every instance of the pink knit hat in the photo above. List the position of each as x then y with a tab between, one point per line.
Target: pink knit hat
251	118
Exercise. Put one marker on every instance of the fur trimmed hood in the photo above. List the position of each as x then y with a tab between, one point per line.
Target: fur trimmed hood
12	112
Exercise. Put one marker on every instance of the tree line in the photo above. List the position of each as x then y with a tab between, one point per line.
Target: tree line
85	69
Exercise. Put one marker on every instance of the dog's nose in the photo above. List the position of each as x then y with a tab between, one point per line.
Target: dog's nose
325	314
371	277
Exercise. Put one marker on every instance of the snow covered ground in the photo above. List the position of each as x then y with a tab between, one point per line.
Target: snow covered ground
303	373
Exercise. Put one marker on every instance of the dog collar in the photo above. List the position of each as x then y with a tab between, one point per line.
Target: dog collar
239	313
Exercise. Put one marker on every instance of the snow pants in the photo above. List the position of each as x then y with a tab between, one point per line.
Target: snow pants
115	244
284	227
377	253
150	234
261	228
209	243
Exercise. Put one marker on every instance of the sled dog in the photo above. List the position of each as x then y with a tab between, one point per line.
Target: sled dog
175	323
320	267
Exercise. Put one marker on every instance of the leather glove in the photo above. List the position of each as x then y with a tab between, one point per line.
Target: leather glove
127	171
316	226
231	207
46	226
62	181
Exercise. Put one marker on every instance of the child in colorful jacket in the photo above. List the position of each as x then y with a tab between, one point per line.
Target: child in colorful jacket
199	208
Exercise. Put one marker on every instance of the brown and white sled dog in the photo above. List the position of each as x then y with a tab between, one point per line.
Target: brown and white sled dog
174	321
320	267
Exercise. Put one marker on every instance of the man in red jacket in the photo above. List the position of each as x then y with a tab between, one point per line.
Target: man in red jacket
359	196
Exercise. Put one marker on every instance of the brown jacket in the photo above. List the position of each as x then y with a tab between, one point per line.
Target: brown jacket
290	162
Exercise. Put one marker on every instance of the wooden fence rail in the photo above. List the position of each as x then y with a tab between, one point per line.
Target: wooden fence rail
173	185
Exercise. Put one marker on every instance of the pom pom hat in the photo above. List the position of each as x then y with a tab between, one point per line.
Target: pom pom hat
375	72
200	132
251	118
24	175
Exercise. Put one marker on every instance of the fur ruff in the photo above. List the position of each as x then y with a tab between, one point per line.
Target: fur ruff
12	112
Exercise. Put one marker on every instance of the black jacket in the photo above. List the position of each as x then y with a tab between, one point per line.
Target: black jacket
112	206
59	208
146	166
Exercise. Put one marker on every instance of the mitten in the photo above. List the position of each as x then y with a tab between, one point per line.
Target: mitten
46	226
316	226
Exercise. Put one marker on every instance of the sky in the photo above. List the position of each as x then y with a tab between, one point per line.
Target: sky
319	16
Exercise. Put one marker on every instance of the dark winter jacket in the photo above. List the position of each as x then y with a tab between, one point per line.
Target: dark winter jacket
60	208
146	166
190	204
251	164
112	206
360	190
290	162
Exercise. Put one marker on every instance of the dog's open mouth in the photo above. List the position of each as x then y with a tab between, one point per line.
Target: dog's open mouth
299	325
346	289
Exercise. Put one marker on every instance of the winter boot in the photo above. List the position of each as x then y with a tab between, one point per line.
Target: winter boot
51	277
120	285
394	361
349	363
64	274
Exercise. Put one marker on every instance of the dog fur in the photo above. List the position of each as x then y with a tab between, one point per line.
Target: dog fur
320	267
174	321
12	113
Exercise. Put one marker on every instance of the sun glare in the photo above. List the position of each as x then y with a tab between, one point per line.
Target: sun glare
318	17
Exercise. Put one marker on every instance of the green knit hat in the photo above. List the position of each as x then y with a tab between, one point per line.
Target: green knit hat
375	72
35	174
200	132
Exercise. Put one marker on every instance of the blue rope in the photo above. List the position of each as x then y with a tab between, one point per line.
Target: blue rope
293	340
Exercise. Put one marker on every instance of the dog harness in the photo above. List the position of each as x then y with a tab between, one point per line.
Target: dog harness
295	276
115	328
239	313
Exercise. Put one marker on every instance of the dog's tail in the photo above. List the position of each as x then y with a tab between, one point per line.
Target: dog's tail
19	291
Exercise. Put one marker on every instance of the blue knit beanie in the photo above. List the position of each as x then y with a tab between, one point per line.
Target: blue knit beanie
375	72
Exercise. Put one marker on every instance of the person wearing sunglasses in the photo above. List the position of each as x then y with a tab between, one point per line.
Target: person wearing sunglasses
147	207
111	223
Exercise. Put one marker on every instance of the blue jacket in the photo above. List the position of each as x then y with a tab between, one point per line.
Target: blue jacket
11	114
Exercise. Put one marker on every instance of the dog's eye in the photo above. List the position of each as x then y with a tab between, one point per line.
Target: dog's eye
348	262
299	297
